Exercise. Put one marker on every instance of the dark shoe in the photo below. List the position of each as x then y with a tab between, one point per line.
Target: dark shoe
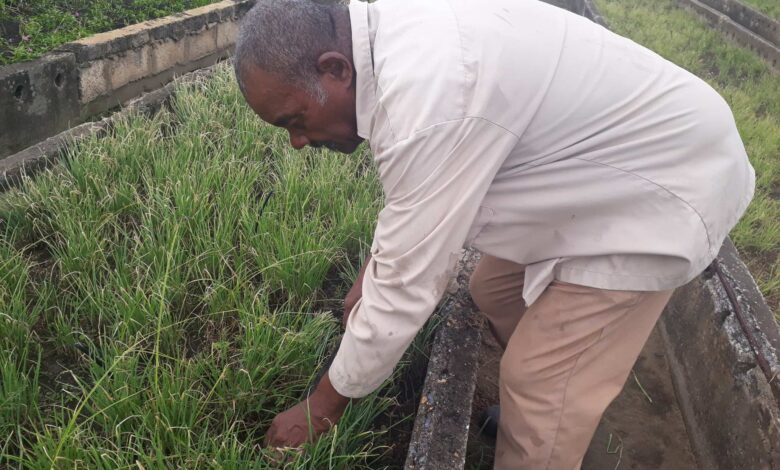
488	422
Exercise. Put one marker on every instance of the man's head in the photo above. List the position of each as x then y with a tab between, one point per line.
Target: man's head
293	62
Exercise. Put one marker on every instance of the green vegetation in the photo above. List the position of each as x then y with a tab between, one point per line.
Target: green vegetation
30	28
163	294
769	7
752	90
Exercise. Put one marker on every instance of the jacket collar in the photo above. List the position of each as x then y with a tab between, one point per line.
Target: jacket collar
365	83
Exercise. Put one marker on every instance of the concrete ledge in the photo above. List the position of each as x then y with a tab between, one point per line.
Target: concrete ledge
110	61
585	8
441	426
37	99
752	19
729	403
755	42
28	162
90	76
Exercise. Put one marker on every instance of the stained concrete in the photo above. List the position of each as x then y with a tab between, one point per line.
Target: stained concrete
37	100
747	16
441	426
88	77
47	152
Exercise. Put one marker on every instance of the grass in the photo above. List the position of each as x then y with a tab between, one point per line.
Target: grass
753	92
163	293
34	27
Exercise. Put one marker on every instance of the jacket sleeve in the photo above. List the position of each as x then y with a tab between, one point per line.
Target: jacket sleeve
434	184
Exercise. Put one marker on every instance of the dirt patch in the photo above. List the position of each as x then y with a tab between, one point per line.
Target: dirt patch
399	420
641	429
644	422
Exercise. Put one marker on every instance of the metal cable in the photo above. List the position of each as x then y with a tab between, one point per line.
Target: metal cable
762	361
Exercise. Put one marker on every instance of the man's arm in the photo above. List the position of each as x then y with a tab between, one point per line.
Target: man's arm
309	418
434	184
355	293
325	405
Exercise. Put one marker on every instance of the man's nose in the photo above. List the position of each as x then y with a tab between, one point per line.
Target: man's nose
298	141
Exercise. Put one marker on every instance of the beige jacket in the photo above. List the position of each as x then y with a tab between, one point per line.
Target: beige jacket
538	137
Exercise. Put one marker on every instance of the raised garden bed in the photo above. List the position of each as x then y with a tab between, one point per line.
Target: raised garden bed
29	29
166	289
86	78
120	318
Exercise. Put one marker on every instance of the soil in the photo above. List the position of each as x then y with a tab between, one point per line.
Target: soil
642	429
400	418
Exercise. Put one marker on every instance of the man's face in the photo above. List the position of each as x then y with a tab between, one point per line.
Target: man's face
332	124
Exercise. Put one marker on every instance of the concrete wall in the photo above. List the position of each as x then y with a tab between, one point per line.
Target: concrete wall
441	426
723	353
741	23
757	22
87	77
44	154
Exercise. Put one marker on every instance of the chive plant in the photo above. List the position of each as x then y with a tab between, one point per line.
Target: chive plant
162	294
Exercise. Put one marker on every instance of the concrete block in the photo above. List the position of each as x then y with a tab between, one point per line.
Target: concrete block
94	80
757	22
739	33
226	34
37	99
201	44
441	426
127	67
170	27
106	44
107	69
44	154
165	55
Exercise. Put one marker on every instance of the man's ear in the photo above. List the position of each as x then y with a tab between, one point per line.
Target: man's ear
336	66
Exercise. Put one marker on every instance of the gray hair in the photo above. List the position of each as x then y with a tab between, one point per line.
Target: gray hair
287	37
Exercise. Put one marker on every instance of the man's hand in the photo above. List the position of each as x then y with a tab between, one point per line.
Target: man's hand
308	419
354	293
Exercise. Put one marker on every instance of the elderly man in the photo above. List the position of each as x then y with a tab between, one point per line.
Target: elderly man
593	175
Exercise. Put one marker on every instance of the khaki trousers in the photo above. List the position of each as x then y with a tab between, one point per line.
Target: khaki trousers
566	358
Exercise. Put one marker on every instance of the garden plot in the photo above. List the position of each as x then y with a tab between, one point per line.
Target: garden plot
164	293
30	29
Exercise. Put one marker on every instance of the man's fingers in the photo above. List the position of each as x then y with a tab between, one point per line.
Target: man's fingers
279	437
280	456
270	436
